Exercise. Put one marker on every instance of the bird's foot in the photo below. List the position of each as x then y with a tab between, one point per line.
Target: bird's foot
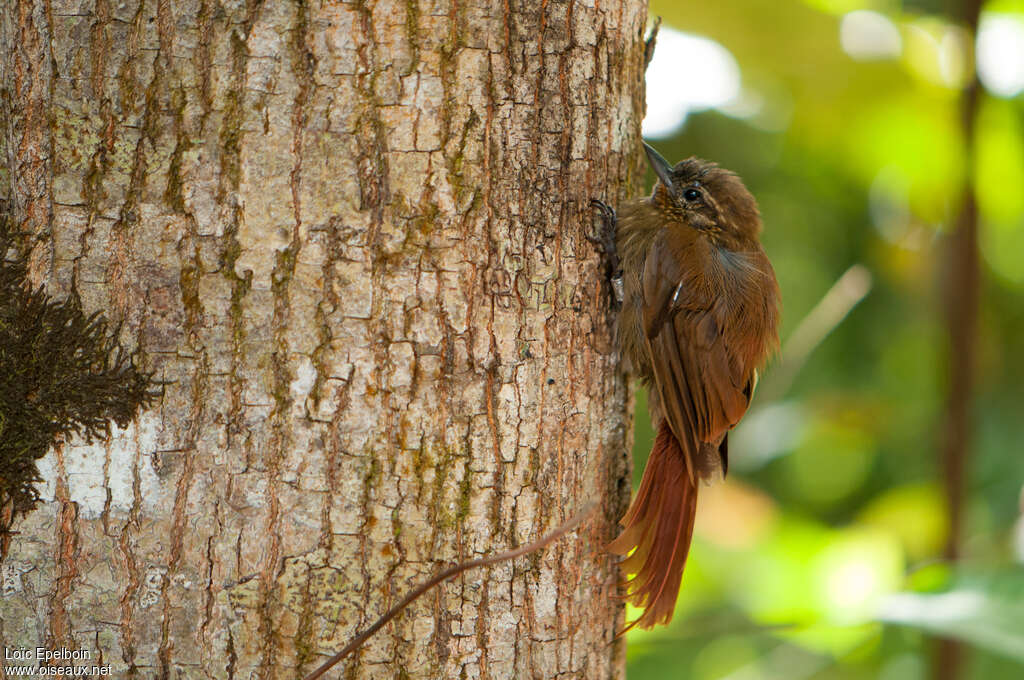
606	244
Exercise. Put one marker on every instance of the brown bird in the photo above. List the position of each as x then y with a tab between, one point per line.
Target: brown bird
699	314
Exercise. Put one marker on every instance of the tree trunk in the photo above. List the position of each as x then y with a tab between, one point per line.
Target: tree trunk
348	238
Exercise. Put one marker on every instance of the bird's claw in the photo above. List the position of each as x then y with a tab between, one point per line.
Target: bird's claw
607	246
606	240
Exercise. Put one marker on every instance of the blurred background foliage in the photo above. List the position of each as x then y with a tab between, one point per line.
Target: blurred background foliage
821	556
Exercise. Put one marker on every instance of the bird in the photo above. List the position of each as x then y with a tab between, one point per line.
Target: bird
698	309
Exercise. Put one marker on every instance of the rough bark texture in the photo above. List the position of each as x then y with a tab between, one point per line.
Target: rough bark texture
349	238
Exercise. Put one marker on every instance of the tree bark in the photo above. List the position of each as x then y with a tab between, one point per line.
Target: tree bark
348	237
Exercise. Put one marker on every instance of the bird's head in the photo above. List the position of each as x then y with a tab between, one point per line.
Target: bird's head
703	196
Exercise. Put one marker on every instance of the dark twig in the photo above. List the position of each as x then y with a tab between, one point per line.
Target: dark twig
443	576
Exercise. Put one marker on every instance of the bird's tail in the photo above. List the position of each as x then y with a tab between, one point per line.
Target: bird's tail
658	528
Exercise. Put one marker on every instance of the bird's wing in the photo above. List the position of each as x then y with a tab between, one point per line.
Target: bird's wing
702	389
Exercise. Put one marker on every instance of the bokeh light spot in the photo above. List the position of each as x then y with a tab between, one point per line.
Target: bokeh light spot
914	514
936	51
1001	54
687	73
831	463
855	572
867	35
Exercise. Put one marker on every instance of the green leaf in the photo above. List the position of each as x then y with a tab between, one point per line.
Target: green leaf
988	613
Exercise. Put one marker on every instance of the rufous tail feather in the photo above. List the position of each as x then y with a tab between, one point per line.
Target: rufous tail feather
657	529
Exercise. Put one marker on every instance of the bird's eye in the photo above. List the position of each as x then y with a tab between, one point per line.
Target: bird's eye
691	195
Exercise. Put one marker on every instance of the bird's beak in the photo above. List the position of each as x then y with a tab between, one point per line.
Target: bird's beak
660	166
